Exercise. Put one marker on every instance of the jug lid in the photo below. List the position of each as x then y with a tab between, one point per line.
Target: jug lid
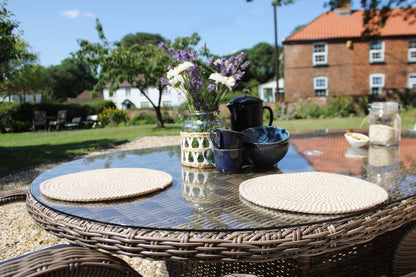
246	100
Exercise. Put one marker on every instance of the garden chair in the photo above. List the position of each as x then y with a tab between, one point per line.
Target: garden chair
67	260
404	256
12	195
75	123
60	120
63	259
91	121
39	119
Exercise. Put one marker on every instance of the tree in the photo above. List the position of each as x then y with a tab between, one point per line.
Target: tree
142	65
141	39
68	79
8	41
23	74
261	58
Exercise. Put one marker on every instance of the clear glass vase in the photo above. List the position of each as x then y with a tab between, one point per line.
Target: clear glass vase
195	137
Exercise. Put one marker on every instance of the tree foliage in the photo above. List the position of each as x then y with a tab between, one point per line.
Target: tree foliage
8	40
68	79
141	39
23	74
261	58
136	60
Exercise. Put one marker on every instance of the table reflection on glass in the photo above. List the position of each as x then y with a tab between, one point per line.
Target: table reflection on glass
202	218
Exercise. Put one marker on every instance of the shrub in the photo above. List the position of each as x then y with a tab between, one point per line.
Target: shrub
340	106
362	105
98	106
309	110
142	119
112	117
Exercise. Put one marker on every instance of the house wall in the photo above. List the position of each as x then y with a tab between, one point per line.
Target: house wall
170	98
348	68
16	98
270	85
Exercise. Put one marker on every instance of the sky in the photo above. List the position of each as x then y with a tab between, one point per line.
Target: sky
52	27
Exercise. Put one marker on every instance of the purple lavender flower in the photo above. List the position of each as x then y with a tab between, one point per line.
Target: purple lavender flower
203	85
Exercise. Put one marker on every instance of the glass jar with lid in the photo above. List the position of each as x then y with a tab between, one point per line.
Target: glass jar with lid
384	123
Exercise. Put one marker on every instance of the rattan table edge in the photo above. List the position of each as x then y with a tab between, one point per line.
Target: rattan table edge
223	246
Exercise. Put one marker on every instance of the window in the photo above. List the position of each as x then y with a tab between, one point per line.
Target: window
320	86
268	95
320	53
376	51
166	91
411	53
127	91
411	80
144	104
376	83
166	103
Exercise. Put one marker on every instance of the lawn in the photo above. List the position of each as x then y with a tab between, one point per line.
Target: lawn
20	150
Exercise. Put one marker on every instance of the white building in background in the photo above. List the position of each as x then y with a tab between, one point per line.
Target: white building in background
267	91
128	96
28	97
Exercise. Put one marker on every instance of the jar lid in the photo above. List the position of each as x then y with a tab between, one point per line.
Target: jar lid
246	99
385	106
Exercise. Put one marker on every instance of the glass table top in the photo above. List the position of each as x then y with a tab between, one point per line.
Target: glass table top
205	199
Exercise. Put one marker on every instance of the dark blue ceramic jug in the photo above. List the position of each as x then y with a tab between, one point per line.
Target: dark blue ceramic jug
247	112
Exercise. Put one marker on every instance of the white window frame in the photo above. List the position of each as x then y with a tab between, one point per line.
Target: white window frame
411	52
128	91
144	104
411	80
318	88
379	86
268	95
316	54
167	103
379	51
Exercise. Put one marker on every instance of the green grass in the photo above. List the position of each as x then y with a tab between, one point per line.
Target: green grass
20	150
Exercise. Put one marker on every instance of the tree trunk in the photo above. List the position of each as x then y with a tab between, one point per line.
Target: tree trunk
159	117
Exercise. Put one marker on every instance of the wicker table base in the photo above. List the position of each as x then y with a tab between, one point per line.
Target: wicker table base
369	259
238	246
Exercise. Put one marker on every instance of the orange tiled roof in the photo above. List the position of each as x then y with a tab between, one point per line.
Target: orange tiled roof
86	95
331	25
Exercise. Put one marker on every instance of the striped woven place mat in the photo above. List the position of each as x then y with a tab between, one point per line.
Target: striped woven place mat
105	184
313	192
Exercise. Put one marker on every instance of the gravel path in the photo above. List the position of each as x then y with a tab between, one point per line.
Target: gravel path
19	232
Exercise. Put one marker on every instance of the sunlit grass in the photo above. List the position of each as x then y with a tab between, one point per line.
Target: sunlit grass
20	150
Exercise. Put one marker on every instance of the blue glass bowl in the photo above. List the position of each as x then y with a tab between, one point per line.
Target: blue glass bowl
266	135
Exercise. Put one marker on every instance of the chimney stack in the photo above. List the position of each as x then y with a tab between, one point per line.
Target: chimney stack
345	9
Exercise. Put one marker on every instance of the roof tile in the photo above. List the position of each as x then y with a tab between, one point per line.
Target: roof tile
332	25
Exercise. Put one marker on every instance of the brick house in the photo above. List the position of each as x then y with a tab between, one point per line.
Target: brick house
328	57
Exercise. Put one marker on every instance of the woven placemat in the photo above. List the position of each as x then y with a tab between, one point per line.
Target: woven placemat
105	184
313	192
